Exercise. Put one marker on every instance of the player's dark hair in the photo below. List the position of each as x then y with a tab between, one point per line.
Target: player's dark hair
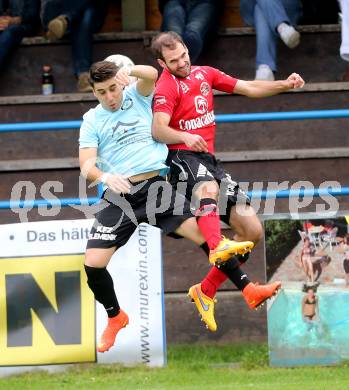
102	71
167	39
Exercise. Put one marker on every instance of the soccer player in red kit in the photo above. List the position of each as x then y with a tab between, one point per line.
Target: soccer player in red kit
184	120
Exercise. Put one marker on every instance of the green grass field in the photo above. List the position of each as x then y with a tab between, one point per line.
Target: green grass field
191	368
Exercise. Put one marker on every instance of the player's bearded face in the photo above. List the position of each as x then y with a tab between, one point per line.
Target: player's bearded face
177	61
109	94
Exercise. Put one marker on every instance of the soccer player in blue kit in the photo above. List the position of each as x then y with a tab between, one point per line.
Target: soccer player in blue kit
117	149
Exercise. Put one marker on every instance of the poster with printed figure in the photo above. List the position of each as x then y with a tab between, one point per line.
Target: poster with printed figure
48	315
308	321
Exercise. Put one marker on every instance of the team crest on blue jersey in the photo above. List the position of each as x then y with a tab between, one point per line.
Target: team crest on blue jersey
127	104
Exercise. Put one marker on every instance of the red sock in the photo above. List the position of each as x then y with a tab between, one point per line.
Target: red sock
212	281
209	222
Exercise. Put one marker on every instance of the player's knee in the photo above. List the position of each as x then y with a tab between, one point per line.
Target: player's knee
98	258
190	230
208	189
91	260
256	233
249	231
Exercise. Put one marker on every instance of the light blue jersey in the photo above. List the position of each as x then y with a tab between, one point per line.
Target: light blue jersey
123	138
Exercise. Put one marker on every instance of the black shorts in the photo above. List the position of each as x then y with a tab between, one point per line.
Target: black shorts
152	201
194	167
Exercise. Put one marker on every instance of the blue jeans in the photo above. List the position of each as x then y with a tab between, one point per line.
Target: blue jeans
72	9
11	38
90	22
85	18
193	20
265	16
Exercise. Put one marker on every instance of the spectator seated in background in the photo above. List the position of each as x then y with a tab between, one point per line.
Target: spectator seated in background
80	19
195	21
17	19
272	19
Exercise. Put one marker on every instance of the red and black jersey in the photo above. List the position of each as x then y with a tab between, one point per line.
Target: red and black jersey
189	101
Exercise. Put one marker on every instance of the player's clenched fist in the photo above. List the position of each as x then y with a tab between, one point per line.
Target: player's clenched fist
295	81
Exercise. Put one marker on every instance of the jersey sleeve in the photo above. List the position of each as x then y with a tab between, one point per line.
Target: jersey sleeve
134	91
88	137
221	81
165	96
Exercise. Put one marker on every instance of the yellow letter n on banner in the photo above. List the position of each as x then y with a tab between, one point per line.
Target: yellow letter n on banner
47	312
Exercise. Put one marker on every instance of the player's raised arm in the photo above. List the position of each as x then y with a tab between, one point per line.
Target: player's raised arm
261	88
146	75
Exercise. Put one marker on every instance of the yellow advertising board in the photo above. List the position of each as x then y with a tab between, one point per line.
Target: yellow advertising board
47	311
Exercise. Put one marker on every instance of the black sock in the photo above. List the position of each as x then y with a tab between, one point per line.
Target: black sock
208	202
101	283
205	248
232	269
243	258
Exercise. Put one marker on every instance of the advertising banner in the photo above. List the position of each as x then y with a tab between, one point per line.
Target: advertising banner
48	315
308	321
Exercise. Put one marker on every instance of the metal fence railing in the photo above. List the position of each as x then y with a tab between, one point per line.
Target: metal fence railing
230	118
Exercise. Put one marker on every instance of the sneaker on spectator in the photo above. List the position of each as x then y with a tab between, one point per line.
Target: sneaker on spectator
83	84
56	28
290	36
264	72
